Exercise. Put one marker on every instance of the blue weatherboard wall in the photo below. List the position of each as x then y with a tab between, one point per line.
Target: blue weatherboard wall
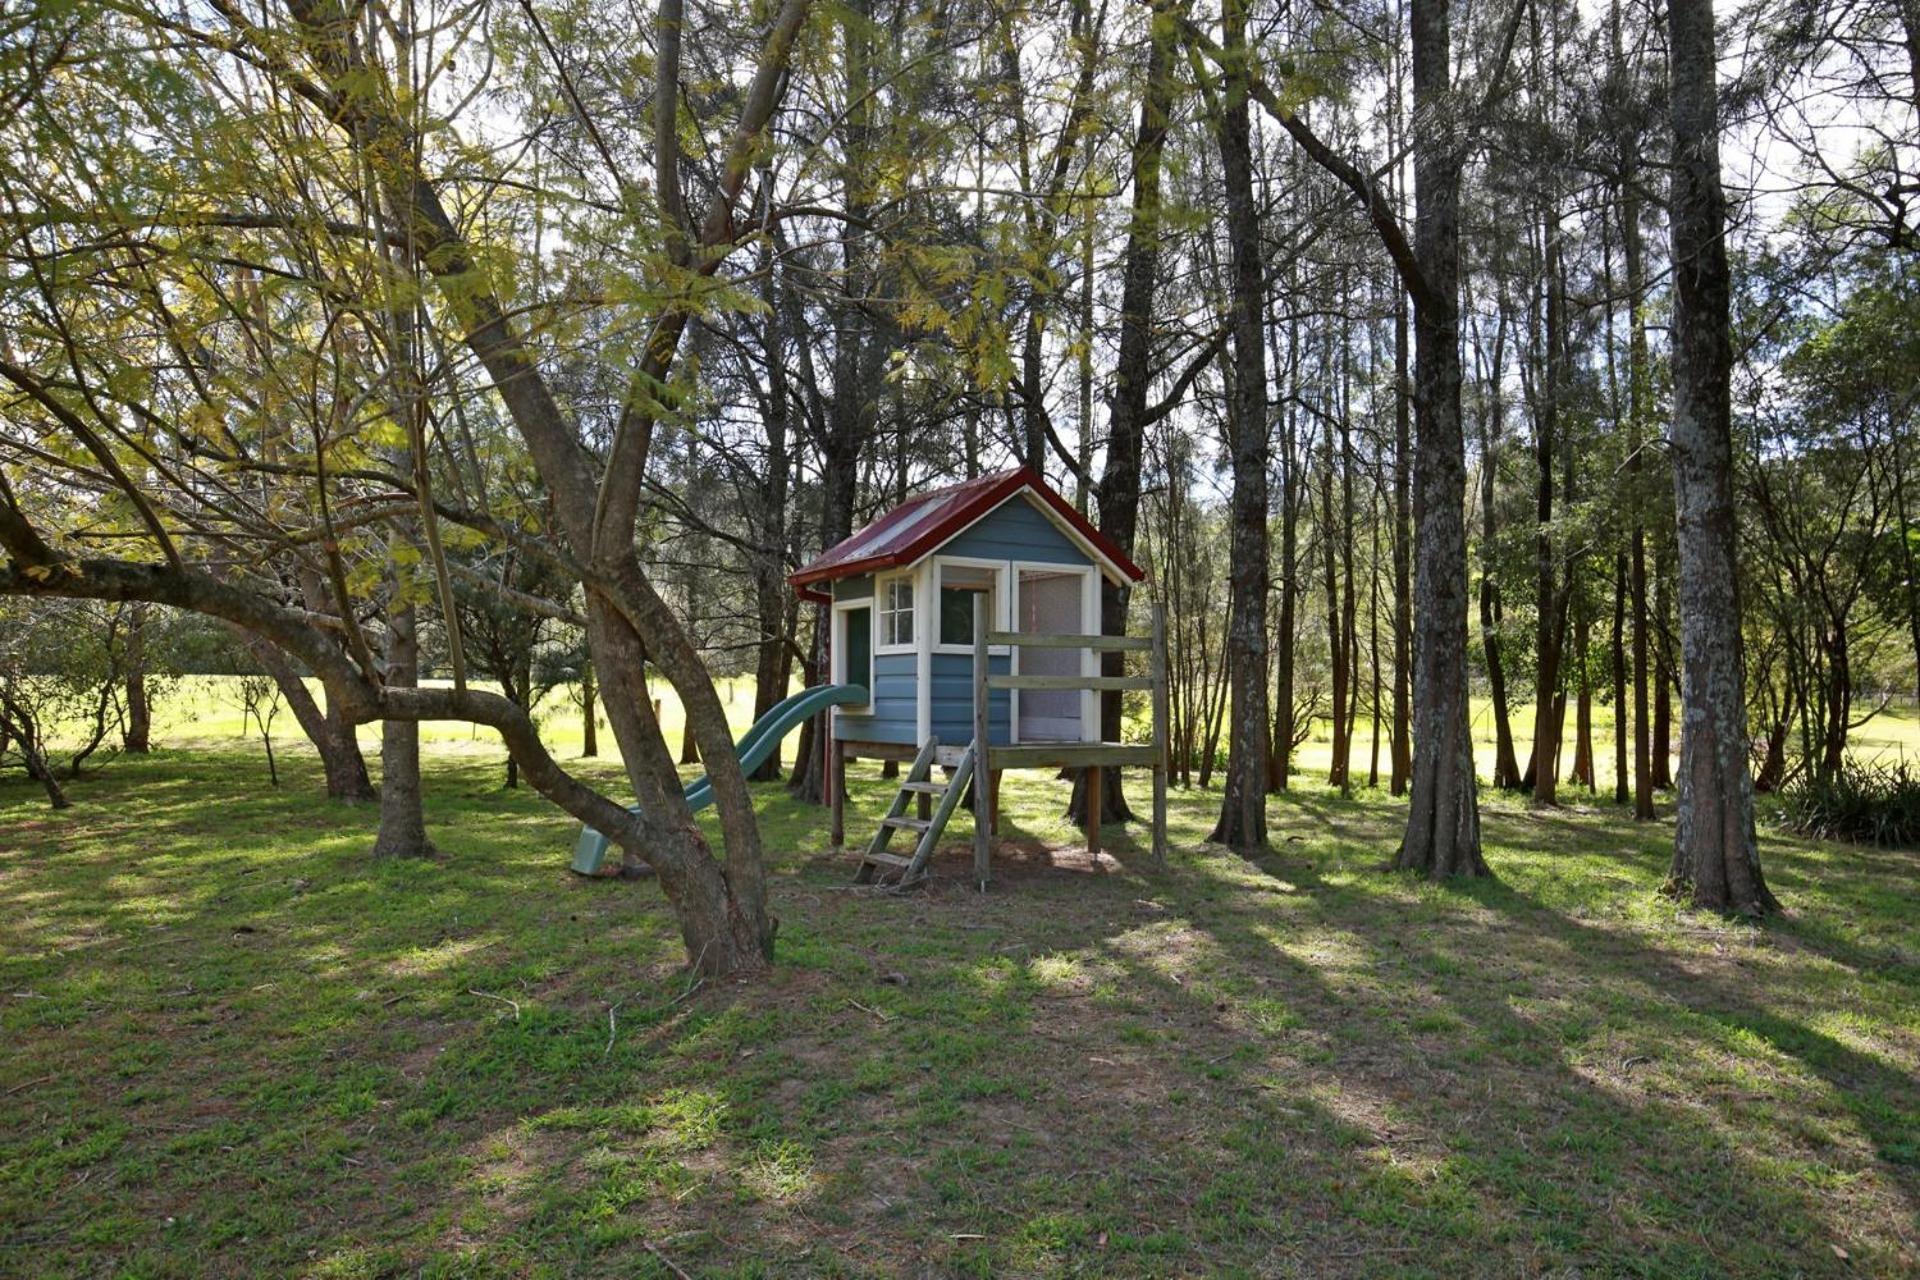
1015	531
896	703
953	700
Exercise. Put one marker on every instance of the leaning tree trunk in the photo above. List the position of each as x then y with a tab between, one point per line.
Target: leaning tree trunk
20	728
1443	820
403	827
1716	859
1243	807
340	759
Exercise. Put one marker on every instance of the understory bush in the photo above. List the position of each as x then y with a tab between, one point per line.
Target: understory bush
1865	803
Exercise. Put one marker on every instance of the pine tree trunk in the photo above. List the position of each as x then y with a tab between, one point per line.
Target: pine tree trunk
1443	819
1622	768
1660	767
1336	639
1582	774
403	828
1548	634
1243	809
1639	394
1402	749
1280	763
1118	491
1716	858
1506	769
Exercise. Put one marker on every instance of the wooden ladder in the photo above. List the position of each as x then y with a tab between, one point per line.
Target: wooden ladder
877	861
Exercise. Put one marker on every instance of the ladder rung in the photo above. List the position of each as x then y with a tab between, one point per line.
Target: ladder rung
925	788
888	859
906	824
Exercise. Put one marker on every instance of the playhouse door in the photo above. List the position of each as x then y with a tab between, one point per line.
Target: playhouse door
1050	603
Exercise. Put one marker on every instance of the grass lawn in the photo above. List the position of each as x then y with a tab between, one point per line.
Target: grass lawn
236	1046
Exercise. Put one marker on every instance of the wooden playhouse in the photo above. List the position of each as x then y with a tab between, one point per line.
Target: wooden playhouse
971	615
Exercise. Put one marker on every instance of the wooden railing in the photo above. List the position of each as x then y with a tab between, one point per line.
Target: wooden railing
1093	756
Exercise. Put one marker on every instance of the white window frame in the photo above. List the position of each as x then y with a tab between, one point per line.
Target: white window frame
1002	600
837	646
1090	577
881	601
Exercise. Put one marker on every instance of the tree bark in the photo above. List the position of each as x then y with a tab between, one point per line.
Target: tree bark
1506	768
1243	809
589	713
1660	766
1443	819
138	738
403	827
1330	539
1716	857
1639	396
1118	491
1549	632
1622	766
342	764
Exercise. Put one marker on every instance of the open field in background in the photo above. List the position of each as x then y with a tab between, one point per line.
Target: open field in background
237	1047
206	709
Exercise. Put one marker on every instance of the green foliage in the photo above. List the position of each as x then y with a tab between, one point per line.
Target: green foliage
1867	803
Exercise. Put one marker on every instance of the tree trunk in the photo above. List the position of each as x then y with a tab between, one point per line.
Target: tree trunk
1373	633
1336	638
1548	634
1118	491
138	738
1639	397
1506	768
1773	770
1716	858
1660	767
1243	808
340	759
1280	763
1401	752
589	713
1622	769
1582	774
403	828
16	725
1443	819
856	355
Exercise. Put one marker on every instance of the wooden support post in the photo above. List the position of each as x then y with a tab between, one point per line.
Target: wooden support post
985	795
836	784
1093	812
1158	661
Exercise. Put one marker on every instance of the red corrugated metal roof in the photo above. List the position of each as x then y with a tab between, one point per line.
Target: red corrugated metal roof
920	525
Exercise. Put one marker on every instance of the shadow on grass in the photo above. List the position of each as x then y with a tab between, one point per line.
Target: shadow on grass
1289	1064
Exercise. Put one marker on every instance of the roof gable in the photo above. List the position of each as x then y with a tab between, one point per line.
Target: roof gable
923	524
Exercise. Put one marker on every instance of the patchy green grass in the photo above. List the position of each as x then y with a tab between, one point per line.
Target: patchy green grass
234	1045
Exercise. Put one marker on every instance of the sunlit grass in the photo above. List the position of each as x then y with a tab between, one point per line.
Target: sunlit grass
238	1046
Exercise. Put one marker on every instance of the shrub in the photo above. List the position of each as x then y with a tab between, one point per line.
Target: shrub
1865	803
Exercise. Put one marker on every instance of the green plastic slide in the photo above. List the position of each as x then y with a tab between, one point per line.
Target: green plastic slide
590	850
